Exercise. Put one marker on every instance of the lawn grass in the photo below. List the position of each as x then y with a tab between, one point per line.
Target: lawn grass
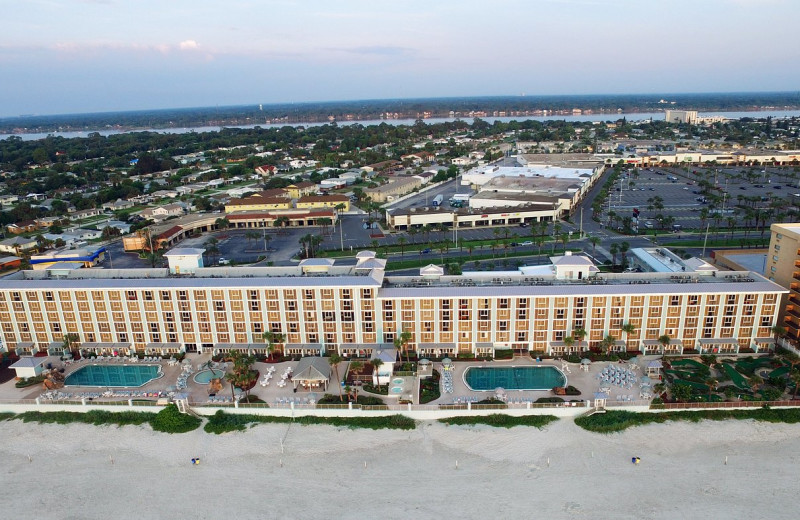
501	420
616	421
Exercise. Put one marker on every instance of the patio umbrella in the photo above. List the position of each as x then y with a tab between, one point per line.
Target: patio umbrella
586	361
447	361
499	392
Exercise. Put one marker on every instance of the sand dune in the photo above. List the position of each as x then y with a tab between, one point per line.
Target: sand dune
501	473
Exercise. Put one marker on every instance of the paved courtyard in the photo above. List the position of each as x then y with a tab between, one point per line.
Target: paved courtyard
587	381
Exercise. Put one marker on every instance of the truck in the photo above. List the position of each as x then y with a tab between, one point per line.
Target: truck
459	200
437	200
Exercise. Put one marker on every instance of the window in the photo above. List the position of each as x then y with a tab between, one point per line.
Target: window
219	306
182	295
164	295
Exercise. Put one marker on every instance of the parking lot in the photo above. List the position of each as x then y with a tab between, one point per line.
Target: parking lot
675	193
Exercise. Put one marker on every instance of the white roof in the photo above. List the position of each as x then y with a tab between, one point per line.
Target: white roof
29	362
185	251
431	269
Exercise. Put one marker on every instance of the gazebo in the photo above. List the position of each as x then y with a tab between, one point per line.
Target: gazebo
654	368
312	372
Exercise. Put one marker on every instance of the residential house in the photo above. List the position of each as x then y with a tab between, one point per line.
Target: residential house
117	205
266	170
26	226
123	227
7	200
163	212
18	245
85	213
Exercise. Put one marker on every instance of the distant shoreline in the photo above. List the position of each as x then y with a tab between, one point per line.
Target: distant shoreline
392	111
29	134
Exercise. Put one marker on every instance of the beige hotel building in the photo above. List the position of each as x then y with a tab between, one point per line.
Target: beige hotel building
321	307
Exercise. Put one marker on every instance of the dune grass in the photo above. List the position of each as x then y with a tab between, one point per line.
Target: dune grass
501	420
616	421
222	422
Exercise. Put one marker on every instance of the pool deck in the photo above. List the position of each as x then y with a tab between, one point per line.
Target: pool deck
585	381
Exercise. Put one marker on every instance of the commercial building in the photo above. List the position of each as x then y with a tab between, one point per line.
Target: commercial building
394	189
680	116
323	201
402	219
322	307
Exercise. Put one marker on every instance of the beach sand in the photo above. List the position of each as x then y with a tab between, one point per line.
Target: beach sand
410	474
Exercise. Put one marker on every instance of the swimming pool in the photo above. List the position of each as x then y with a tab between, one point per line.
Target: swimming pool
113	375
514	378
206	376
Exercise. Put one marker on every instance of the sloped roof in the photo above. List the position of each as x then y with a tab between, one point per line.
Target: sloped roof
312	369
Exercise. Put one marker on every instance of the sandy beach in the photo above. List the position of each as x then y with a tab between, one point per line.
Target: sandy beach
87	472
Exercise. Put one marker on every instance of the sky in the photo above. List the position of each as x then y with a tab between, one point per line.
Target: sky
76	56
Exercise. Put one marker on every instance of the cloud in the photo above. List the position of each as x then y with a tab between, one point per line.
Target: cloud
188	45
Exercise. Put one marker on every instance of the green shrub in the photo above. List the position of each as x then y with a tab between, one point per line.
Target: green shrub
222	422
615	421
504	354
549	400
29	381
501	420
170	420
95	417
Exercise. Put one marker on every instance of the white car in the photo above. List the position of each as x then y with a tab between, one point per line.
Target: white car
526	243
223	261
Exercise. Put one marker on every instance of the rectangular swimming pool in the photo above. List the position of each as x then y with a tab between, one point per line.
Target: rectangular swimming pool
514	378
113	375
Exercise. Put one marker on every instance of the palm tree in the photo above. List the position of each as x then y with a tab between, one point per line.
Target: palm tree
334	361
402	242
794	375
272	338
628	329
564	240
324	222
607	343
595	241
755	382
568	342
659	388
222	223
212	250
252	235
355	366
614	249
623	249
412	232
665	340
376	365
779	331
401	343
712	384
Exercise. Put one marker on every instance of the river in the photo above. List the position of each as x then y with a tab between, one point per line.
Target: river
637	116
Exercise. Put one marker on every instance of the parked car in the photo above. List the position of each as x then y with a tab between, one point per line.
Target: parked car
426	251
223	261
526	243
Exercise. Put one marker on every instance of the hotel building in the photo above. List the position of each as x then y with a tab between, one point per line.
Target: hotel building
783	267
321	307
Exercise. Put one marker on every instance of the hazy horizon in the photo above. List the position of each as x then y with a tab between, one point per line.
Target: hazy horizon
91	56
